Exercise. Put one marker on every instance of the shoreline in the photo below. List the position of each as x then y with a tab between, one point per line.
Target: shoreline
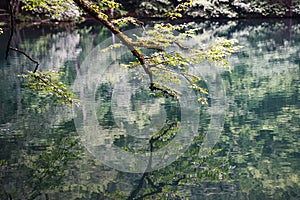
5	20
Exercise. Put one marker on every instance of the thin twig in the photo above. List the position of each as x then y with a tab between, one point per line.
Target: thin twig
175	42
181	46
37	64
148	45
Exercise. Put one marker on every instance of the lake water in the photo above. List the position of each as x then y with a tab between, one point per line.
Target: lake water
99	149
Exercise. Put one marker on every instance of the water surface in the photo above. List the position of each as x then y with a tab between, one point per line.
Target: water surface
43	156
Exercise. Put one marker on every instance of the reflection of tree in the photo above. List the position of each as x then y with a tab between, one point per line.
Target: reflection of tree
48	169
175	180
262	128
36	163
38	157
263	121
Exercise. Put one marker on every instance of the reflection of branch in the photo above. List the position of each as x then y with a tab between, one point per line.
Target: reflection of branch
12	26
151	183
149	194
155	137
135	192
27	56
158	187
138	188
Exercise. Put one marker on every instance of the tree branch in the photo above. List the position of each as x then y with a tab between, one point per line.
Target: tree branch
147	45
177	43
181	46
99	17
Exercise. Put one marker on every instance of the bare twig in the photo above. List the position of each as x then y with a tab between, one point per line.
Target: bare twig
12	8
177	43
37	64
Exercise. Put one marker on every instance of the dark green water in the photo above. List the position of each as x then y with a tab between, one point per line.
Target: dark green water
43	155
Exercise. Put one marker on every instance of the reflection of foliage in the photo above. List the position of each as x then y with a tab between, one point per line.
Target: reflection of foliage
270	163
3	163
104	112
193	172
263	121
40	159
173	181
157	141
47	170
261	128
164	136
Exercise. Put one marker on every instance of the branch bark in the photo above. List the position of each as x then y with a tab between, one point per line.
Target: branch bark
96	14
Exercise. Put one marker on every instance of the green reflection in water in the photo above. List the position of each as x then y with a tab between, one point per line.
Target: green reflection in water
42	156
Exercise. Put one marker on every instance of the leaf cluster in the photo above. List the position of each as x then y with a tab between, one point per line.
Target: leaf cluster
171	63
126	21
177	12
48	168
48	82
55	9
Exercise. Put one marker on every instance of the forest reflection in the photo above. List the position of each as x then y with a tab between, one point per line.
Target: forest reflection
257	156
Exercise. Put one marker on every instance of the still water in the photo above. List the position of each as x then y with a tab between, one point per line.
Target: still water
253	116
